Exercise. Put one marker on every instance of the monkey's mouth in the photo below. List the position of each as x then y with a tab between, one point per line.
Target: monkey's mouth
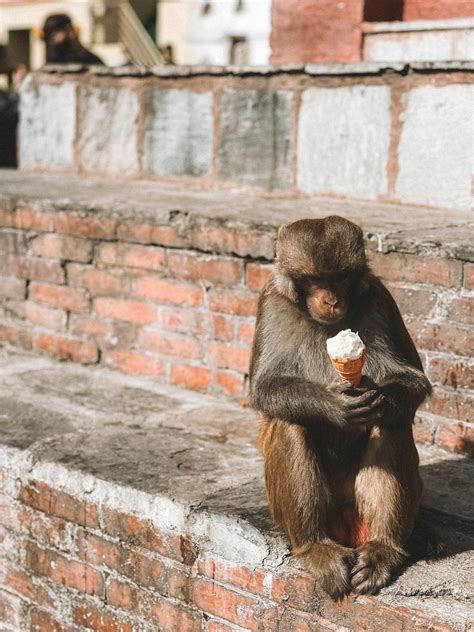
329	318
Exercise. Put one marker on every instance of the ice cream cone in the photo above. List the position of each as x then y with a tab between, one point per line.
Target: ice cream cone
350	370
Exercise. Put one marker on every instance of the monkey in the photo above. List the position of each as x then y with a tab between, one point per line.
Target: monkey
340	463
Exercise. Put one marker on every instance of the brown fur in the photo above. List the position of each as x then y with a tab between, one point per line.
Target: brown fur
341	467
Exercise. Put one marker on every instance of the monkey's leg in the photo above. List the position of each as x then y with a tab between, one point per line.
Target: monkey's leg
300	501
388	491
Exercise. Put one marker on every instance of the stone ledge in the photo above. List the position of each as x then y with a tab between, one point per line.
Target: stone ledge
387	227
342	69
418	25
188	464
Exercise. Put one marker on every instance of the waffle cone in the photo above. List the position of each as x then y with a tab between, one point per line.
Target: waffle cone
350	370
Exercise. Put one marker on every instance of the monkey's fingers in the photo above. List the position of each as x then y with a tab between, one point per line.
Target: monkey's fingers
363	400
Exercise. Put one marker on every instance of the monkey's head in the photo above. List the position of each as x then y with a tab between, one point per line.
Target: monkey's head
321	264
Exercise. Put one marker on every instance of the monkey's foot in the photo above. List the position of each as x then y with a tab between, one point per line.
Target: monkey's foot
374	567
332	564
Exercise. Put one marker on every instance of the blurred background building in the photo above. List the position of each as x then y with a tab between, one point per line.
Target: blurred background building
254	32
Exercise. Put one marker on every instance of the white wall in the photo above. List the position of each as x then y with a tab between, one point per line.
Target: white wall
205	39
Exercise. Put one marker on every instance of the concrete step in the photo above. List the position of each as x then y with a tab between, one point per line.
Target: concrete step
164	280
140	506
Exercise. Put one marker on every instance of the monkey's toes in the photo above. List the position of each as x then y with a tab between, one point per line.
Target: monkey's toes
336	580
373	568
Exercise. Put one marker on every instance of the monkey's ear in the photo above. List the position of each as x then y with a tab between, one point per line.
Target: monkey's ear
285	285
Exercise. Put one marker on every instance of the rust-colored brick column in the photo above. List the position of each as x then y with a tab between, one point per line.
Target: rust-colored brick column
437	9
315	31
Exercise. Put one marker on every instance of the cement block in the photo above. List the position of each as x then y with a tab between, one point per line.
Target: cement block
436	148
47	124
178	133
255	147
108	133
343	141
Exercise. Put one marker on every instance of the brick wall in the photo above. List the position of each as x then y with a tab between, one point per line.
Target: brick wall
72	560
307	31
267	130
437	9
177	302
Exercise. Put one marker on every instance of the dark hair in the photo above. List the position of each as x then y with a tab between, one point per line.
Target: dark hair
55	22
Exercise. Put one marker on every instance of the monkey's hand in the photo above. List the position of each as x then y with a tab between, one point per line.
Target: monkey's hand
364	406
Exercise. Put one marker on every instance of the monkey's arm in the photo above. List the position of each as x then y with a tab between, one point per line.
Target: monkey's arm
394	365
278	387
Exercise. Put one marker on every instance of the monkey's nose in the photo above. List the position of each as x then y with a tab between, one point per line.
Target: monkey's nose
331	301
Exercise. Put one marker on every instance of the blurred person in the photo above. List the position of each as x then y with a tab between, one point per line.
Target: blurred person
9	109
62	42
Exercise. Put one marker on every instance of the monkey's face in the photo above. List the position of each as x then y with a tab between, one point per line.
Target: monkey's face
326	301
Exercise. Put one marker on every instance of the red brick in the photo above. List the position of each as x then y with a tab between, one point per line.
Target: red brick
28	219
136	565
257	275
223	327
147	257
45	529
307	31
87	326
61	570
243	610
9	609
81	351
402	267
233	384
168	615
169	291
74	300
293	620
12	243
424	430
140	532
238	302
63	247
148	234
450	370
229	357
103	282
41	496
125	309
294	589
233	241
156	341
92	226
193	377
184	320
92	618
436	9
469	276
219	570
17	336
453	404
42	621
34	268
45	316
11	287
447	337
413	300
461	309
6	218
198	267
456	437
134	363
246	333
18	581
